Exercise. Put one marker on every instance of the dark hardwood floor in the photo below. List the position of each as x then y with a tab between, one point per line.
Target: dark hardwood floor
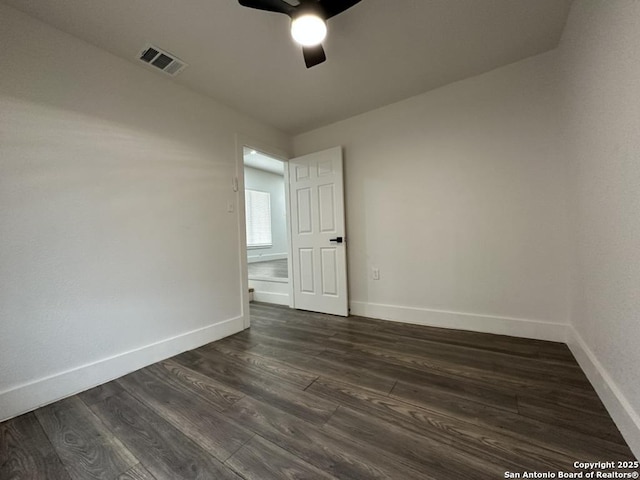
269	269
304	395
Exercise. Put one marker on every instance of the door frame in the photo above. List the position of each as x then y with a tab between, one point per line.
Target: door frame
242	142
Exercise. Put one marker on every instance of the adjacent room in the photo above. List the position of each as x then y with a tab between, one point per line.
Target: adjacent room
266	221
324	239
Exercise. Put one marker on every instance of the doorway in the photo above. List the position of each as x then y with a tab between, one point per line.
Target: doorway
267	227
314	257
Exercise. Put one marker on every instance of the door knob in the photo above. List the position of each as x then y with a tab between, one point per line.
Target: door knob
336	240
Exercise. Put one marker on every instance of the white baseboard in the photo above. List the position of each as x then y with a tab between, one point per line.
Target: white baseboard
27	397
623	414
269	291
516	327
266	257
271	297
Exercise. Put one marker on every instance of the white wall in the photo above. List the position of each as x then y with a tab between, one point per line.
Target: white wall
116	248
263	181
600	56
458	197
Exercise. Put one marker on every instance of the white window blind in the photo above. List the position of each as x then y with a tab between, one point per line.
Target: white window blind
258	210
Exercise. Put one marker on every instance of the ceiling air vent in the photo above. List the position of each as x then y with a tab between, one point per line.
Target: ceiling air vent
162	60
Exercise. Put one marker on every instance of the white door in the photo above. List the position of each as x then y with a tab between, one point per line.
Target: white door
319	257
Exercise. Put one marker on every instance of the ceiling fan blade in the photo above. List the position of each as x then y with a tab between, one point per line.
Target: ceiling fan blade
313	55
334	7
278	6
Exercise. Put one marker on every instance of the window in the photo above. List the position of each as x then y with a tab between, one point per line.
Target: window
258	210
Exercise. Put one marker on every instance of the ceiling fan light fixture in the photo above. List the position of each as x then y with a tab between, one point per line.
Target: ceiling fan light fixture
308	30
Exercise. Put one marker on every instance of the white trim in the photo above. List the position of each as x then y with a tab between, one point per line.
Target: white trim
271	297
270	291
287	202
621	411
516	327
29	396
266	257
241	142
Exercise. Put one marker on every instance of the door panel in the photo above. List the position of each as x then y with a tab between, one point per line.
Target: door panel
329	271
306	270
327	207
317	206
305	223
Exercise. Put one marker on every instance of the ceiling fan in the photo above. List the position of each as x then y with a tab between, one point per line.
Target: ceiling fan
308	21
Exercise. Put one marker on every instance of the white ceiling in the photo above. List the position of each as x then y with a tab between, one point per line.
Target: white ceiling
379	51
260	161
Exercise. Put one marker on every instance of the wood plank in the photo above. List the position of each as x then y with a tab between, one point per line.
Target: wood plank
262	386
85	446
100	393
314	318
289	331
336	454
464	357
216	394
164	450
569	418
416	451
294	376
269	268
587	402
26	453
548	436
137	473
189	413
328	368
307	348
239	340
297	341
325	323
262	460
456	387
485	341
270	323
448	430
398	355
549	351
546	386
531	359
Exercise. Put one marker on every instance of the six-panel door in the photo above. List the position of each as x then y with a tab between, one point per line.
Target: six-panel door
317	222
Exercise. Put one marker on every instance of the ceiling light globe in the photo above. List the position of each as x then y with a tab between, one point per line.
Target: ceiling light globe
308	30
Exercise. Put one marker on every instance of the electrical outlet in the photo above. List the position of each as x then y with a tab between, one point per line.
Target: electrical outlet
230	207
375	273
